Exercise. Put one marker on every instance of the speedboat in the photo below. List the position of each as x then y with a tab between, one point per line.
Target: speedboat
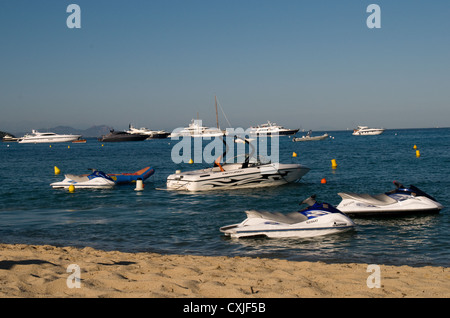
111	179
401	201
271	129
366	131
116	136
47	137
308	137
317	219
251	172
95	180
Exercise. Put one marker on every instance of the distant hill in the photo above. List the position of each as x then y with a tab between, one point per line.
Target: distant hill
94	131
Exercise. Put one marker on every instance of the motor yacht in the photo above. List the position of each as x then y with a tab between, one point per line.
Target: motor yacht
366	131
117	136
309	137
47	137
196	129
271	129
152	134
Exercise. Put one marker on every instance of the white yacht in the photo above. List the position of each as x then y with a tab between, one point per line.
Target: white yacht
196	129
270	129
47	137
152	134
366	131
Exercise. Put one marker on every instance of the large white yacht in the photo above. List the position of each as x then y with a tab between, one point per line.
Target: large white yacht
196	129
152	134
47	137
271	129
366	131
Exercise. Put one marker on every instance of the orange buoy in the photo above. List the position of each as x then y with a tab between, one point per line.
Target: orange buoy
323	181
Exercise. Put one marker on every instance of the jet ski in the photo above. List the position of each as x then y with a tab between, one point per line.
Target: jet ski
401	201
317	219
95	180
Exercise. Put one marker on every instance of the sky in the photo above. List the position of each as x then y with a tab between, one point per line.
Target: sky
158	63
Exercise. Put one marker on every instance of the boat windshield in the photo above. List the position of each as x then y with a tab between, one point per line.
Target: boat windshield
250	161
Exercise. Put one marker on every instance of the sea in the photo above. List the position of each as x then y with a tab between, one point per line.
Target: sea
171	222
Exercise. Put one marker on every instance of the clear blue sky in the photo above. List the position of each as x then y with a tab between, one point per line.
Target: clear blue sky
303	64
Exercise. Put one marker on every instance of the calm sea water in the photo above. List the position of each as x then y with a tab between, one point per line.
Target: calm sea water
31	212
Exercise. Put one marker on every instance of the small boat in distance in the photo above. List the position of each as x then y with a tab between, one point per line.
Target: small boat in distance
117	136
271	129
366	131
308	137
47	137
197	130
10	138
152	134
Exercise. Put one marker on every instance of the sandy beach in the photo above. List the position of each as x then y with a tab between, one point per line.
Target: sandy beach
28	271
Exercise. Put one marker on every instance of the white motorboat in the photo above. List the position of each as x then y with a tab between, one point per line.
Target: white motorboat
47	137
308	137
245	171
96	180
401	201
271	129
366	131
152	134
9	138
316	220
197	130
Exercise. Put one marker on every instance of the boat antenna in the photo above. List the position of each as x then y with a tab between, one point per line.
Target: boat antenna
220	106
217	114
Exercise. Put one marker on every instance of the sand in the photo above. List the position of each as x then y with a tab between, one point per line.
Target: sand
28	271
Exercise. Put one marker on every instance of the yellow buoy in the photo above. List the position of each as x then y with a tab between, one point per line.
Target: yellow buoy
71	188
57	171
294	154
68	147
417	153
415	147
333	163
191	161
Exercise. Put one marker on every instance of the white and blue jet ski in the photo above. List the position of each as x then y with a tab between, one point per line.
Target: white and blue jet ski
401	201
317	219
95	180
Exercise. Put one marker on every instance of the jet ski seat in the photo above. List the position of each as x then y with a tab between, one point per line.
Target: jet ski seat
290	218
77	178
378	199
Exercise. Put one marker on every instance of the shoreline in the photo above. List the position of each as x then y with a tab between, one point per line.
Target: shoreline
44	271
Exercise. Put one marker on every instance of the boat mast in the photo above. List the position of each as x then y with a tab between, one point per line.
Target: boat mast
217	114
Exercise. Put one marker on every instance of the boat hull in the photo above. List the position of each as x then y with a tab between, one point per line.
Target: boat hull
256	227
41	140
407	206
254	177
83	183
